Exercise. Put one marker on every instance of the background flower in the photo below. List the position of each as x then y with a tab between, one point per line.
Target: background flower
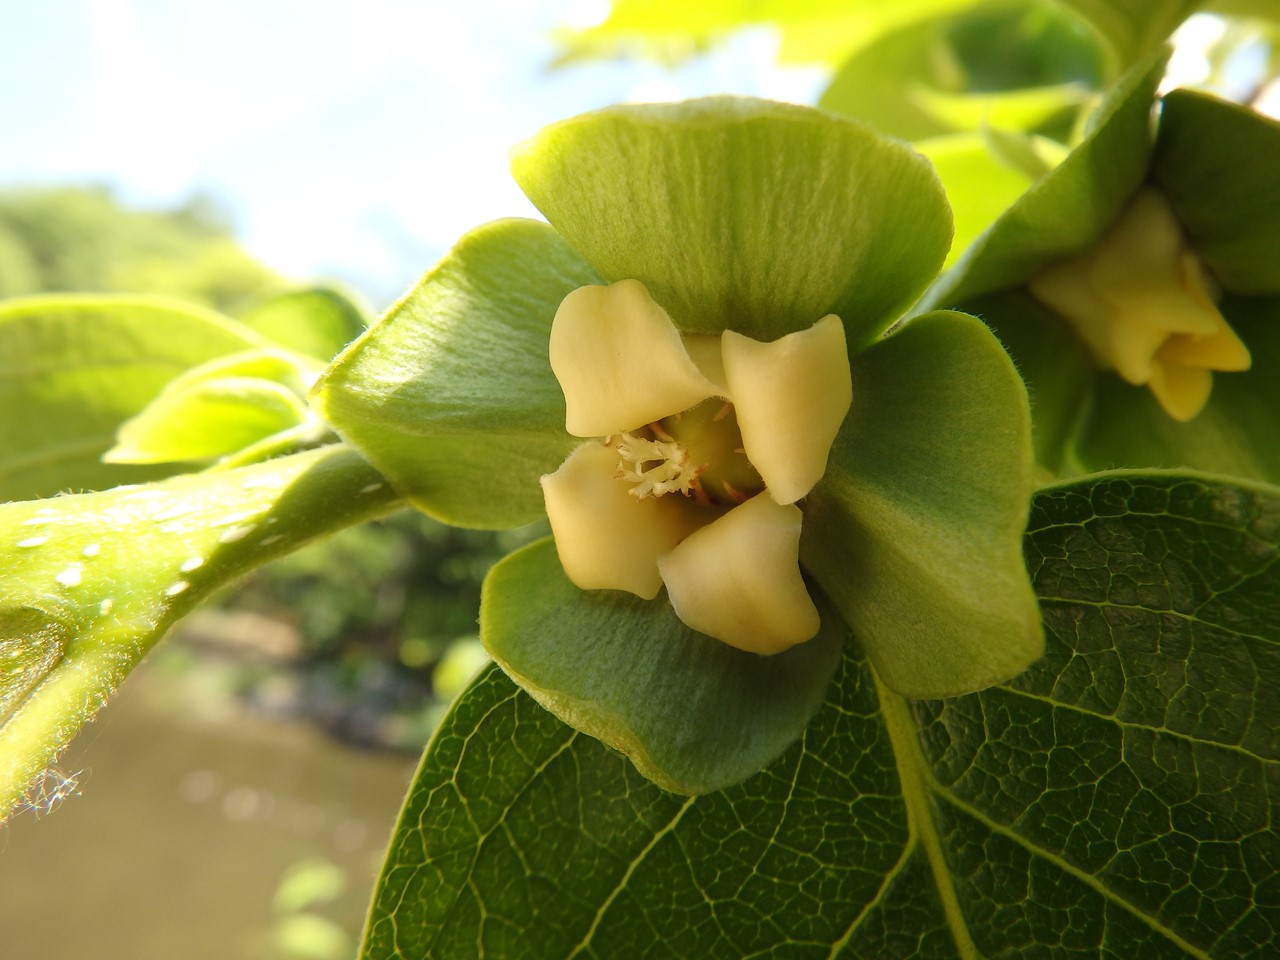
1214	162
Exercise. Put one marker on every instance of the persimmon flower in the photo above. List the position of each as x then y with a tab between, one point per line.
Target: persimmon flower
1143	305
708	444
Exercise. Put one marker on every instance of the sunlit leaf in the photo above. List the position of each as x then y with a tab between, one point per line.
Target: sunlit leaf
75	367
1133	28
979	186
317	322
218	408
89	583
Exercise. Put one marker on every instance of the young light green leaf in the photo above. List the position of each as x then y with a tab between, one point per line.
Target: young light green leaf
914	531
1117	800
979	187
693	714
76	367
219	408
451	394
89	583
317	322
743	214
208	419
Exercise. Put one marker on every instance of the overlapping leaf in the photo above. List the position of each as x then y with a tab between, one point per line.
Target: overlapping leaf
1117	800
75	367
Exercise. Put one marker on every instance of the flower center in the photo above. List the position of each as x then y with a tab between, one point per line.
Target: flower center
697	453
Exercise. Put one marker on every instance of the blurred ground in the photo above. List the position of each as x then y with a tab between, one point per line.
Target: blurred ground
204	827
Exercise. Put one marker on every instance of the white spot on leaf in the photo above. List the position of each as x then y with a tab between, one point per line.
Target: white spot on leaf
70	577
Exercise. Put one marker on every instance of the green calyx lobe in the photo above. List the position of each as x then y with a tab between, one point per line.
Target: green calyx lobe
744	214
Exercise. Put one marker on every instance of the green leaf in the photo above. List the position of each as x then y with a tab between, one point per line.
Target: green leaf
208	419
218	408
1217	163
1119	799
979	186
1025	109
692	713
451	394
915	531
1237	433
317	322
1010	65
1072	205
77	366
89	583
878	84
744	214
1134	28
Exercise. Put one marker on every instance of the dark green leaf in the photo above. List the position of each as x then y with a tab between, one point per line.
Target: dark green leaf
694	714
1217	163
451	394
743	214
75	367
1119	800
89	583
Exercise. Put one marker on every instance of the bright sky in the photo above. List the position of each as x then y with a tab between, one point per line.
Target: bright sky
356	142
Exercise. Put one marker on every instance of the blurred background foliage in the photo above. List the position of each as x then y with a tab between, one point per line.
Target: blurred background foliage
369	615
82	239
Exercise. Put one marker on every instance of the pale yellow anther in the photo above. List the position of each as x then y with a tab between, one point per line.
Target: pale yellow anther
620	361
738	579
656	467
791	396
1141	302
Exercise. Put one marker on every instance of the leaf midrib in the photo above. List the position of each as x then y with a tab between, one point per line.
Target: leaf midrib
916	783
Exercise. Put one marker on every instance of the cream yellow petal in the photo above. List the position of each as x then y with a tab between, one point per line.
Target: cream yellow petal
1182	391
606	538
704	349
738	579
1119	340
620	361
790	395
1223	351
